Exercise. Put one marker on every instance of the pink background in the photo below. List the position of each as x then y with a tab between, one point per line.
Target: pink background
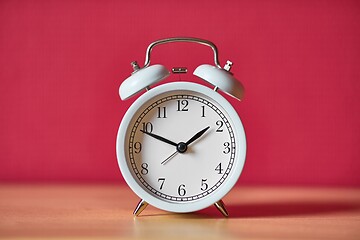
61	63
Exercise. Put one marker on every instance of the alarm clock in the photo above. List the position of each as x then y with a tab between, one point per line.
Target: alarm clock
181	146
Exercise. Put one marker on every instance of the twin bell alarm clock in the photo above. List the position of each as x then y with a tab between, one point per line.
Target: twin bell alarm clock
181	145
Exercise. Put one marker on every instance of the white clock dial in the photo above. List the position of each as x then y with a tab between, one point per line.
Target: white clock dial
182	147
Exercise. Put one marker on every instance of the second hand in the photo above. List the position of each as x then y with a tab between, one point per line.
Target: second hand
182	147
170	157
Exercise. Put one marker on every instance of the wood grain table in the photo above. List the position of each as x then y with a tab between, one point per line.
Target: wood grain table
104	211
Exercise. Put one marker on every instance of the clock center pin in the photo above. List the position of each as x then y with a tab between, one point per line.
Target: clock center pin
181	147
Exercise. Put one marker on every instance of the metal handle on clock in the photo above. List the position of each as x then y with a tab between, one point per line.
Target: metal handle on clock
182	39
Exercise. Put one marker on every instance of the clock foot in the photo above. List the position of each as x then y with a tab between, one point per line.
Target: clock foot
221	207
140	207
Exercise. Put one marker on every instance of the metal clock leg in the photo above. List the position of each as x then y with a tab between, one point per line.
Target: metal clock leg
140	207
221	207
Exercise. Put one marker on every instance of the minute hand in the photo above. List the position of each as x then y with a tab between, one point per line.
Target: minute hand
160	138
196	136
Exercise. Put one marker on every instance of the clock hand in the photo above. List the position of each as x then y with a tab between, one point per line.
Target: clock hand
196	136
170	157
182	147
160	138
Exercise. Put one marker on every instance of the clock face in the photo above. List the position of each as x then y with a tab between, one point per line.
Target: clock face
181	146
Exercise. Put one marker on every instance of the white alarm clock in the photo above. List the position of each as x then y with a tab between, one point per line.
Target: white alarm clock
181	146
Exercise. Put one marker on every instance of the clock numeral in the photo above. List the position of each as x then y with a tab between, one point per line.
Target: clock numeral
137	147
202	111
219	169
147	127
181	190
204	185
144	168
227	147
220	125
161	180
182	105
161	112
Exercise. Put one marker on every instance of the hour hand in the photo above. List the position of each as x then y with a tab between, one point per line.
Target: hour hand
160	138
197	135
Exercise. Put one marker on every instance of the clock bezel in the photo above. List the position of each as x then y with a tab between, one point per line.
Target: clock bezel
223	189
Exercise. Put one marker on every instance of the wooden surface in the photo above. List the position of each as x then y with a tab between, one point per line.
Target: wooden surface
105	212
